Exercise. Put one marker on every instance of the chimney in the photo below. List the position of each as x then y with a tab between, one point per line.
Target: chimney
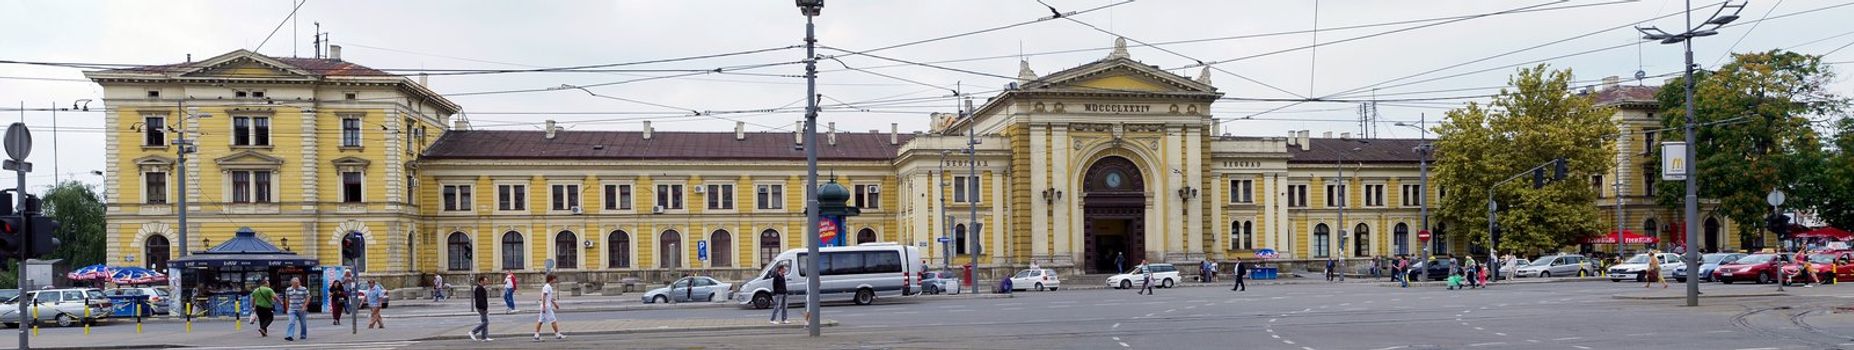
1293	138
334	52
798	133
740	130
894	133
550	129
1345	136
833	133
1216	128
647	130
1305	144
1326	135
460	124
1611	82
424	80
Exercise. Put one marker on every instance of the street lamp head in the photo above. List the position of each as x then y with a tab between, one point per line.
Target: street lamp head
1705	33
810	8
1722	20
1673	39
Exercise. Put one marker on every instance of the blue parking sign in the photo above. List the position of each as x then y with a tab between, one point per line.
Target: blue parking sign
701	250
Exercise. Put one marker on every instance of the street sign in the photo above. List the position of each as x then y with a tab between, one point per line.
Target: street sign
1423	235
1775	198
945	239
920	244
1674	161
701	250
18	142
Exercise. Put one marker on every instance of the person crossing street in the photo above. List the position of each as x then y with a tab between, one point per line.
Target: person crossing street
1242	270
296	304
479	301
549	303
263	303
779	305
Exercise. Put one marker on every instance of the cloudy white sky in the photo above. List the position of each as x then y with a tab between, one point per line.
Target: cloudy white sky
1432	53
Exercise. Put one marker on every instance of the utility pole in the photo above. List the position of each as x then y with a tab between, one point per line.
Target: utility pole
946	230
182	147
1691	170
1423	151
972	236
811	9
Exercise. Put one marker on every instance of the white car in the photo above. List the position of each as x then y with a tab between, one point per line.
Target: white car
1163	276
1511	270
1035	279
1637	265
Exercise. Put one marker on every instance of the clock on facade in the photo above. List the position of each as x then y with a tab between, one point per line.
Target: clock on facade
1113	180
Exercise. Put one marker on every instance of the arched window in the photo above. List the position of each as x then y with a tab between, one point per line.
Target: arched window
1400	236
769	246
457	249
513	257
959	239
1322	241
1440	238
566	250
1236	235
866	236
669	249
1650	229
1361	240
721	249
618	250
155	250
1248	235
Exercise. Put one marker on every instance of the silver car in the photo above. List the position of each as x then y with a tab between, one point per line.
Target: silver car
65	307
1561	265
688	289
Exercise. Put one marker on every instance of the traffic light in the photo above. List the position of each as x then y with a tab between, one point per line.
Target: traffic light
1538	178
350	246
1560	168
43	238
11	239
1779	224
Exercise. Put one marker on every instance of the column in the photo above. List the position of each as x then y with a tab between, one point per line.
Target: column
1039	180
1193	166
1061	176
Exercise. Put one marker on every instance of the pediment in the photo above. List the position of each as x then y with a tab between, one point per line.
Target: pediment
243	64
1119	74
248	158
351	161
154	161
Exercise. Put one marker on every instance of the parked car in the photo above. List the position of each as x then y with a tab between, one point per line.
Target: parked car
1511	270
1761	268
1035	279
940	282
157	297
1560	265
1637	267
1438	269
64	307
1824	269
1163	276
1708	263
7	295
688	289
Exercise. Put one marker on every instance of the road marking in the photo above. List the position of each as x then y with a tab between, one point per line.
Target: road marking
1124	345
1758	349
1190	307
1476	345
1116	325
1532	340
1150	315
1306	348
1169	310
1270	330
1567	338
1116	338
1464	323
1289	342
1272	320
1475	328
1727	331
958	310
1504	305
1500	334
1274	336
1581	347
1392	348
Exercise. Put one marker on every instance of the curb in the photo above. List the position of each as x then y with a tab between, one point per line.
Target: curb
660	329
1702	296
1509	281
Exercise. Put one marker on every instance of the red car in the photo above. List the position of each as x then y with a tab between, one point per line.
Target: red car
1761	268
1827	266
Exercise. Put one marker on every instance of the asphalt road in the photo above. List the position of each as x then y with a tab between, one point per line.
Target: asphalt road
1575	315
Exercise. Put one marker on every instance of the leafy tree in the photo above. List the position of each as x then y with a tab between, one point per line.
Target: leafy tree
1754	135
1832	182
1534	121
80	215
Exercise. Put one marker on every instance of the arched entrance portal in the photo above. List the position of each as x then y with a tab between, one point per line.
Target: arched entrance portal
1114	215
1712	235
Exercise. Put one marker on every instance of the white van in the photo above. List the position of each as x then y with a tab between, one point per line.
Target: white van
858	273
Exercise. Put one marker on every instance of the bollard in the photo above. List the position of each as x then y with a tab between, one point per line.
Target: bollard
188	308
35	318
86	316
238	316
138	318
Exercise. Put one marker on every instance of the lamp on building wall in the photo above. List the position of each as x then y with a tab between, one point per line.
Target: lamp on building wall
1187	193
1050	195
286	243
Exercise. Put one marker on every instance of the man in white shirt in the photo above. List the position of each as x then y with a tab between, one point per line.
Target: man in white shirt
437	287
548	304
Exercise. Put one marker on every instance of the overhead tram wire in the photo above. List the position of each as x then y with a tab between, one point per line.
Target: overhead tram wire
364	46
273	31
1367	36
986	30
1747	33
591	68
1175	53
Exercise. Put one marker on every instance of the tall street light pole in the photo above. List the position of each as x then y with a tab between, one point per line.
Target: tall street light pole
811	9
1422	152
1709	28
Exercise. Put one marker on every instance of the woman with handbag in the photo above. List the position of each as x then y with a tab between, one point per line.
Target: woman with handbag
337	299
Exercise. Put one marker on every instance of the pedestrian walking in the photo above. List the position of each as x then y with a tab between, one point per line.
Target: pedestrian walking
779	305
337	300
1653	273
548	305
1402	274
437	287
1375	268
508	291
263	304
296	303
1330	273
1242	270
376	298
479	301
1120	261
1484	270
1145	285
1213	271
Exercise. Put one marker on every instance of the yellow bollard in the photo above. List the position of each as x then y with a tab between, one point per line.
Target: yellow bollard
86	316
238	316
35	319
188	308
138	318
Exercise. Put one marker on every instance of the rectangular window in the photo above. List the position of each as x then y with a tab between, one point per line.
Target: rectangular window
769	197
1297	196
618	197
154	130
154	187
565	197
720	196
511	197
458	198
1648	177
250	131
1596	183
868	196
1374	195
350	187
1242	191
1335	196
965	189
669	196
406	132
1412	195
350	132
260	186
1648	145
241	187
250	186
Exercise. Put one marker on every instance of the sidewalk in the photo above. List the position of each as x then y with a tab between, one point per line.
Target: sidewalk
322	334
525	331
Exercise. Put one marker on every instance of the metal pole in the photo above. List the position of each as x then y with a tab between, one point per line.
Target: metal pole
972	240
56	177
946	231
1423	164
1342	203
811	180
1692	215
26	226
181	143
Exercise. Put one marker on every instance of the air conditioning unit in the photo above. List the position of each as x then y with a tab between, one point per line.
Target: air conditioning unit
762	190
577	210
701	189
656	209
875	188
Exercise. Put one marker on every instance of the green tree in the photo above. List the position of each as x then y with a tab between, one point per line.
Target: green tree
1832	182
1534	121
80	214
1754	134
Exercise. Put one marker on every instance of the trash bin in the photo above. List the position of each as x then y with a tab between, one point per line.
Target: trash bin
1263	273
124	305
968	276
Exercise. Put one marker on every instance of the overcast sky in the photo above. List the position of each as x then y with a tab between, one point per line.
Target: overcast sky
1396	59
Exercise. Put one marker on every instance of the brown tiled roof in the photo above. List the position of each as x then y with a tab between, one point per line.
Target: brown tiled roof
1370	151
1626	94
663	145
